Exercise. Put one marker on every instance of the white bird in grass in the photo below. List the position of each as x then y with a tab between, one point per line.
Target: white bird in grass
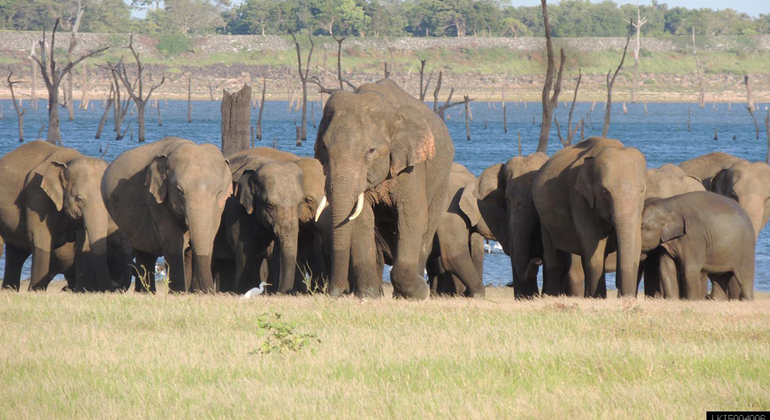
255	291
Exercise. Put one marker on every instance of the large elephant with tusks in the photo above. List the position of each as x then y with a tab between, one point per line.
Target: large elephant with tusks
387	159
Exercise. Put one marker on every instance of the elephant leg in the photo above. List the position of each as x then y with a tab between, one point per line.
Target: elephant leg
145	268
733	289
666	269
744	279
432	267
41	261
462	267
189	263
477	254
719	286
593	266
225	273
363	256
14	262
692	279
574	284
555	262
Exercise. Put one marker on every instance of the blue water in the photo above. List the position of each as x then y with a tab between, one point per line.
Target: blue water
662	135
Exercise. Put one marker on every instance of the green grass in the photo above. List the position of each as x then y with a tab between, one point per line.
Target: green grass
134	356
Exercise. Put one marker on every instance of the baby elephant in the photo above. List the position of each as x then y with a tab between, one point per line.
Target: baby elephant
700	232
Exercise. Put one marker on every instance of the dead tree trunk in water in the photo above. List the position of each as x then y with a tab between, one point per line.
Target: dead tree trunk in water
303	76
189	100
424	89
261	109
19	112
106	113
549	104
236	120
505	116
767	131
33	85
702	94
610	84
53	78
638	26
73	41
467	117
750	104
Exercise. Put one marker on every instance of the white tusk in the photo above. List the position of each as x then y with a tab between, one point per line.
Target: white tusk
321	208
359	206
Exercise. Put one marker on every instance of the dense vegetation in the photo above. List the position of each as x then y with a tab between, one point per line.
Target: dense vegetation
569	18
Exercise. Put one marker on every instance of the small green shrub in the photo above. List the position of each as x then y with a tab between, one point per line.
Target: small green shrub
280	336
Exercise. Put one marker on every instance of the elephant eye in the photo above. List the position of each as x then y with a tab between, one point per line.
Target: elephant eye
370	153
605	192
79	198
181	191
734	195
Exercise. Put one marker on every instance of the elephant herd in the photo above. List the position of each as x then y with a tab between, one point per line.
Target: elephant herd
382	189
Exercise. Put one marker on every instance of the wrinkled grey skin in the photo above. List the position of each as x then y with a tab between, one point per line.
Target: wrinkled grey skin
585	195
313	257
746	182
384	145
700	232
49	196
168	198
264	209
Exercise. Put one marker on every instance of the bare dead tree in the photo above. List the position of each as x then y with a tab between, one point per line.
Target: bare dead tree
424	89
84	88
549	104
699	68
570	131
468	116
441	112
261	109
505	114
638	27
106	113
73	42
33	71
437	90
189	99
303	77
236	120
518	137
610	84
339	58
767	131
750	104
136	89
212	88
19	112
53	77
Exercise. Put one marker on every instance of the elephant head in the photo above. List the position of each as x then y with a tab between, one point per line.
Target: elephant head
273	194
670	180
660	225
74	188
193	185
749	184
362	141
613	184
313	182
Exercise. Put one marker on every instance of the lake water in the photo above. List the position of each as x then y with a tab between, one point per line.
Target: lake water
662	135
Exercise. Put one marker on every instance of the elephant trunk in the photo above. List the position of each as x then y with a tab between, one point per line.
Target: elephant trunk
755	209
522	225
96	224
629	237
286	245
341	203
203	224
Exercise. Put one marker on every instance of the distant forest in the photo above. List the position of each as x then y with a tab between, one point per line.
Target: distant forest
393	18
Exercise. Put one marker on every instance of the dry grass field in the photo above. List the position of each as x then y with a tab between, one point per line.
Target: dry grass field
132	356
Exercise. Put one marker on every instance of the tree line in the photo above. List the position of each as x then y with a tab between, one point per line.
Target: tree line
394	18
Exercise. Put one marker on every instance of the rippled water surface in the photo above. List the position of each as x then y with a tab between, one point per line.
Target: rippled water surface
662	135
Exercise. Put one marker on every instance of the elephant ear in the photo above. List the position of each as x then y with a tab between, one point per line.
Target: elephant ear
469	203
490	185
584	184
54	182
227	178
156	178
412	140
675	228
245	191
719	182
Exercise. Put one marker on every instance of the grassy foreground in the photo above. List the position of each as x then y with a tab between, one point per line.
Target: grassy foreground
136	356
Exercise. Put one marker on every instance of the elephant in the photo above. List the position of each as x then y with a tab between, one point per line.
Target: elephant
265	208
165	196
49	197
313	257
700	232
456	262
590	198
387	158
746	182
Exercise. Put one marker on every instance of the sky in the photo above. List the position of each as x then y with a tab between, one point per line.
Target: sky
751	7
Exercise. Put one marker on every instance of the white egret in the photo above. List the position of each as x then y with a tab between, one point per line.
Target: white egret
255	291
